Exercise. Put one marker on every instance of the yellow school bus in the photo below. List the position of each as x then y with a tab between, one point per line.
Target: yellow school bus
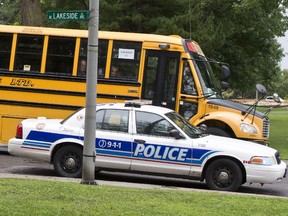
43	73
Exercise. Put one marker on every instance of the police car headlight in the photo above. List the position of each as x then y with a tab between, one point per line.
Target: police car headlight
267	161
248	128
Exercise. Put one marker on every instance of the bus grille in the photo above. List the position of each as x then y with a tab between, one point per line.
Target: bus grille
266	128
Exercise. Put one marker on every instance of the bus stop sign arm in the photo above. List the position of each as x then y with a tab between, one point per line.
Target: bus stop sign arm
88	166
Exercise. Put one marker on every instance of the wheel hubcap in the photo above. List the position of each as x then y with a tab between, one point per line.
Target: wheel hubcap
223	177
70	163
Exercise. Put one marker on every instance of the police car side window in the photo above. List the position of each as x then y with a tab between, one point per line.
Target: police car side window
112	120
99	119
152	124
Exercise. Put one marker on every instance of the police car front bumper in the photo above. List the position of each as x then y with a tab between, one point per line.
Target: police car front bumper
266	174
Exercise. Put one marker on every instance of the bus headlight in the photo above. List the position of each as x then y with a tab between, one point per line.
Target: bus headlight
258	160
246	128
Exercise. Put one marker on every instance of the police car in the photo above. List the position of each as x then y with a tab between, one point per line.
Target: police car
154	140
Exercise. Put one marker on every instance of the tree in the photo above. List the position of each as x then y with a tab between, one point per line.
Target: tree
9	12
147	16
242	33
31	13
281	86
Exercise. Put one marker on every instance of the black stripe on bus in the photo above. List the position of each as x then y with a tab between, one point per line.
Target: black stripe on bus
61	77
118	97
43	91
42	105
57	92
59	106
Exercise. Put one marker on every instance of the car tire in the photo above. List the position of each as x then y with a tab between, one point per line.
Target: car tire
217	132
224	175
68	161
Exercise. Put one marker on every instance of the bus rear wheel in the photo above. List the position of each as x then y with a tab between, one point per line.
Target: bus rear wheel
68	161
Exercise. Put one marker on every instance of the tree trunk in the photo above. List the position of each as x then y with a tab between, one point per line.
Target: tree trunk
31	13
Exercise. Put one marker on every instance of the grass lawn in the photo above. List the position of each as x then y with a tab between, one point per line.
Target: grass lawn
36	197
279	131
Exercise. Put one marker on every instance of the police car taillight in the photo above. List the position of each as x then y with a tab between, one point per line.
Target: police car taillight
19	131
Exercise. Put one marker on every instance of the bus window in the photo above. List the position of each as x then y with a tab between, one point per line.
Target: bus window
5	50
188	84
102	57
125	59
82	67
149	82
171	80
29	53
60	55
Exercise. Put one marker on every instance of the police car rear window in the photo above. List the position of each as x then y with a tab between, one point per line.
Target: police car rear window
112	120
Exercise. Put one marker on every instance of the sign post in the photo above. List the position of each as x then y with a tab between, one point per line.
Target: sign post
89	155
68	15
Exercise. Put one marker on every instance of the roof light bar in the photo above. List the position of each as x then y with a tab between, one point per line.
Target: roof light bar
164	46
137	103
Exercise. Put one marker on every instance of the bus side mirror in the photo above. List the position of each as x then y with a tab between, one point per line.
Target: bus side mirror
225	73
260	88
224	86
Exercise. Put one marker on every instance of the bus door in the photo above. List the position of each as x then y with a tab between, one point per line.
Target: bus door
160	77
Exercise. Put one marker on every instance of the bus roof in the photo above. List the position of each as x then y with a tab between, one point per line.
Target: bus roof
84	34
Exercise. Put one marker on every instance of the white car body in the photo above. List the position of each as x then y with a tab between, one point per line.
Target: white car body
129	149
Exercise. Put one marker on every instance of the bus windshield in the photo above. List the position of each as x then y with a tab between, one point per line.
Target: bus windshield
210	85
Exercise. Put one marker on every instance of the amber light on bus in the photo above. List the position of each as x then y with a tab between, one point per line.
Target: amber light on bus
164	46
190	47
194	47
19	131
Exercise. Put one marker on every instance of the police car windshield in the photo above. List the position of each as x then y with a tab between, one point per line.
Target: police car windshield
186	127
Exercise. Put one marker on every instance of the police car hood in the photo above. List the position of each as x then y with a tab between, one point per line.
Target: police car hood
236	146
233	105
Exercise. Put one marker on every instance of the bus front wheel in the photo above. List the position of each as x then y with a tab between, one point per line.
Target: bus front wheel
217	132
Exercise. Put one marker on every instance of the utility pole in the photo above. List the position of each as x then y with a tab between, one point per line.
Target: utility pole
89	156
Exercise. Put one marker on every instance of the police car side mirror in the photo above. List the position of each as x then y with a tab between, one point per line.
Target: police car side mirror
176	134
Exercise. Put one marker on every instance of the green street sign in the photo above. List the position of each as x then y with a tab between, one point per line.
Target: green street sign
68	15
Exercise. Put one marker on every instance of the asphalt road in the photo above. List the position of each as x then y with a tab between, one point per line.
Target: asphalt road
11	166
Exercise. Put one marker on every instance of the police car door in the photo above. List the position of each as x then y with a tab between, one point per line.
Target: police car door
113	140
154	150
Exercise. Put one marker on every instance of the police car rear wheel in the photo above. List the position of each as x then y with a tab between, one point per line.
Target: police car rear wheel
224	174
68	161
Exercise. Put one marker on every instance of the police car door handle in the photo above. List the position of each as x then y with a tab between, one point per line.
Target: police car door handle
139	141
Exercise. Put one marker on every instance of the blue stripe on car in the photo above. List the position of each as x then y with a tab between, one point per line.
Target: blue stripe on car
120	148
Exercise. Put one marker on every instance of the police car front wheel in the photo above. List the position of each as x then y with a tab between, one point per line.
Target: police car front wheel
68	161
224	174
